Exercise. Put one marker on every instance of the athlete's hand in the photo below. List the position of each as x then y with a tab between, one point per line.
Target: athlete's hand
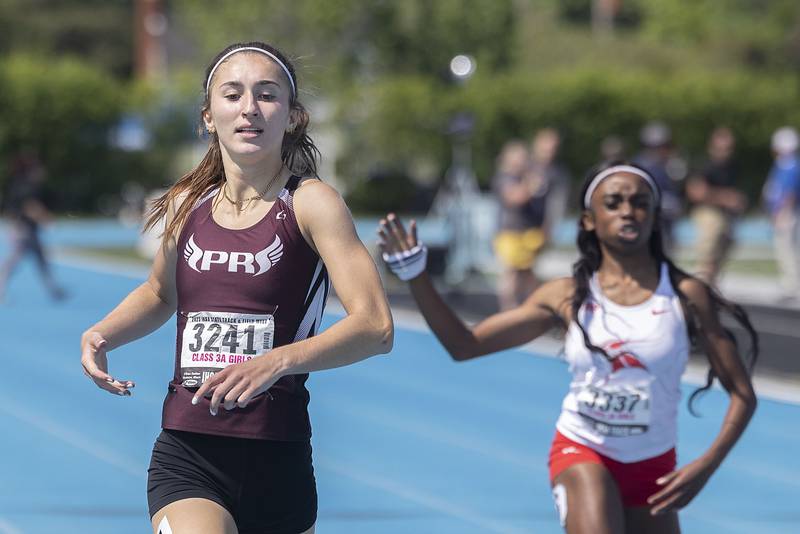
393	235
680	486
95	365
236	385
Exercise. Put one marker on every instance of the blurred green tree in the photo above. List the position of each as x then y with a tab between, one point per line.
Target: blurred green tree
382	66
350	40
97	31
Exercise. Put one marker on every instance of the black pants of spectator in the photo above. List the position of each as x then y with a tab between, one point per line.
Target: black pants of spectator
25	240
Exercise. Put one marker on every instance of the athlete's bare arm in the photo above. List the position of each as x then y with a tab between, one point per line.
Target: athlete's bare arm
544	309
144	310
682	485
327	225
367	329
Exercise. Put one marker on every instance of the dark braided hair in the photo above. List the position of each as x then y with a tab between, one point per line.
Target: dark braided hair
589	262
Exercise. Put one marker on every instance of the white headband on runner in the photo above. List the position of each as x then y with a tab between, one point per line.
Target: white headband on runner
251	49
587	198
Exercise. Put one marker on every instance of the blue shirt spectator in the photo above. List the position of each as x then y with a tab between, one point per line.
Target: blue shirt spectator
782	183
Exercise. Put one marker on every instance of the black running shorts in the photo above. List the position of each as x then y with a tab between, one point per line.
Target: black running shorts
267	486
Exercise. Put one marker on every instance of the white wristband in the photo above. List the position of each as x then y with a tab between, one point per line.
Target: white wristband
409	263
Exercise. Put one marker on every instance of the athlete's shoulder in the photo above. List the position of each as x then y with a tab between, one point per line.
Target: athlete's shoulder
315	186
563	287
696	291
555	295
173	208
313	193
177	202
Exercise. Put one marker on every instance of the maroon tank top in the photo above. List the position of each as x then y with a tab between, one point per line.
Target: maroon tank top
240	293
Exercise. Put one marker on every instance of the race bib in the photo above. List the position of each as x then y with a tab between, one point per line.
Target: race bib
214	340
616	410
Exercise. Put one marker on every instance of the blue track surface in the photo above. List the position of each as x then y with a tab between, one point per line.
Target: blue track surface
405	443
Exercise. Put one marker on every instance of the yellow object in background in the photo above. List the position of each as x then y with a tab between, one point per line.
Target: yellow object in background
518	249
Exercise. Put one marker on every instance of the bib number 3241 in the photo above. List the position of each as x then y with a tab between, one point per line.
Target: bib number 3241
212	341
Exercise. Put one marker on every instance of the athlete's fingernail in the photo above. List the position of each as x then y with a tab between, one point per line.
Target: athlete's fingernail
102	343
194	401
213	412
109	379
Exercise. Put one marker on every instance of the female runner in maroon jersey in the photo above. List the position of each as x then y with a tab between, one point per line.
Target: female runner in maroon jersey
251	237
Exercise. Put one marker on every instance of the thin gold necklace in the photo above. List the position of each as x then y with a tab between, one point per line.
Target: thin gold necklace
244	203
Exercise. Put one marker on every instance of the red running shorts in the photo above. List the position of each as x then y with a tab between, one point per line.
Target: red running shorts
636	480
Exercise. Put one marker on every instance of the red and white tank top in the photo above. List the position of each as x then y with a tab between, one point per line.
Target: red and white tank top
242	293
626	408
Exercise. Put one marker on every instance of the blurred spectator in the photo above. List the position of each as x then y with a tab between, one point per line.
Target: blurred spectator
26	211
532	192
781	193
133	207
717	203
612	149
657	156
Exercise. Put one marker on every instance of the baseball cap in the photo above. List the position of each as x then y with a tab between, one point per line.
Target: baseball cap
785	140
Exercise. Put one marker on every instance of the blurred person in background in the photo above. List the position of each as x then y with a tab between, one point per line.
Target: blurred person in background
518	240
717	204
26	211
612	148
656	156
782	200
252	243
532	192
631	318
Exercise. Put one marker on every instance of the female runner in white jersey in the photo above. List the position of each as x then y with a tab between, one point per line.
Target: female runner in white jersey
631	316
251	238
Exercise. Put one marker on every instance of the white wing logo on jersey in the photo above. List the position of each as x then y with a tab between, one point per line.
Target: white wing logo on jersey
269	256
192	253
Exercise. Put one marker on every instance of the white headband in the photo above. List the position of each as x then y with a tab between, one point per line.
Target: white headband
251	49
587	198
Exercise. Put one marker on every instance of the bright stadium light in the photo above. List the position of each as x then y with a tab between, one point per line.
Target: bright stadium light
462	67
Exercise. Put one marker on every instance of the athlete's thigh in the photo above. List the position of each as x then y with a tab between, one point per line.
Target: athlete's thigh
193	516
593	503
638	519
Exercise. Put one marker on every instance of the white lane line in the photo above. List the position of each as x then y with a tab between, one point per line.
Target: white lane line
786	391
76	439
770	388
7	528
434	432
432	502
126	268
